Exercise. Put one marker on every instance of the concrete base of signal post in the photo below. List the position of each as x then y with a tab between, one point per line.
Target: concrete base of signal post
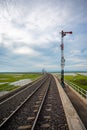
73	120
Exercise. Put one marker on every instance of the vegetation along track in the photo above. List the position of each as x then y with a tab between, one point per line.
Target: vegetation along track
42	111
10	104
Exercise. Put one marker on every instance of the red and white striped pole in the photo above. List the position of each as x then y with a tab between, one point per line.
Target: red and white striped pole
62	56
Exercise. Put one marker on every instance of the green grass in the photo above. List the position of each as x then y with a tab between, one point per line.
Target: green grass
7	87
8	78
15	77
78	79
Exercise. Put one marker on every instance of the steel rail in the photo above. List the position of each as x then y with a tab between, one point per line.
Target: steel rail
11	93
17	93
38	113
22	103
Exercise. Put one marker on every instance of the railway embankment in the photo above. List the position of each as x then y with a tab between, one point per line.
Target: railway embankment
73	119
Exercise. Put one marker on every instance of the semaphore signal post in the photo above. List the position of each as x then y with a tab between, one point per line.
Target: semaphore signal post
62	56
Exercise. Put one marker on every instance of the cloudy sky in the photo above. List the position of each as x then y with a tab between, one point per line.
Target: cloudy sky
30	35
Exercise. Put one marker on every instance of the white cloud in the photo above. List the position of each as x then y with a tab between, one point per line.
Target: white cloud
28	26
40	21
77	67
26	51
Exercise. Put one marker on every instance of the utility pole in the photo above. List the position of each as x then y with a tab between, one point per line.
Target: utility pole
62	56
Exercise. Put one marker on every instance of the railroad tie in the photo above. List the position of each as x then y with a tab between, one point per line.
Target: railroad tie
45	125
24	127
31	118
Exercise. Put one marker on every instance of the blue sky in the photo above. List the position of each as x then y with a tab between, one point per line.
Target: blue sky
30	38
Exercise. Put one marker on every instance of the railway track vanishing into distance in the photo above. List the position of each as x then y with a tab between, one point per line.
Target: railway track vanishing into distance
8	95
8	105
37	108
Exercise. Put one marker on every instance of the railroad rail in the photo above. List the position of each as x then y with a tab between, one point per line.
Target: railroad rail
13	92
52	116
11	104
42	109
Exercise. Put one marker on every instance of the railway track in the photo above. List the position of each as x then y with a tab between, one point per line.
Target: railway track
40	110
52	116
8	95
20	107
10	104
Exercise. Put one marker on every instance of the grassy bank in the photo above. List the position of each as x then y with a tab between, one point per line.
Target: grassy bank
80	80
6	78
